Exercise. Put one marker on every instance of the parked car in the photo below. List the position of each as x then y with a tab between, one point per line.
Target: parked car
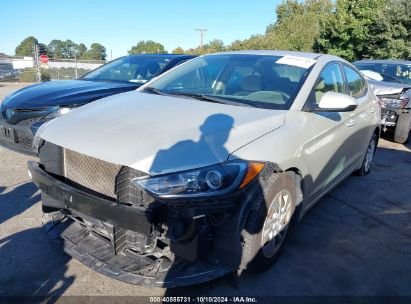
199	172
7	72
391	82
25	110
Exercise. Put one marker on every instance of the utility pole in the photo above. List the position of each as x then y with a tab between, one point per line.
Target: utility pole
75	62
36	62
202	31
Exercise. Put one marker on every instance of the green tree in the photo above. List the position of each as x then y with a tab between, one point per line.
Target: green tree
147	47
54	49
192	51
255	42
297	27
214	46
81	50
178	50
69	48
389	37
346	32
26	47
96	52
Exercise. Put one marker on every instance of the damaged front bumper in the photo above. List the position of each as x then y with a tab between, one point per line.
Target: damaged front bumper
108	237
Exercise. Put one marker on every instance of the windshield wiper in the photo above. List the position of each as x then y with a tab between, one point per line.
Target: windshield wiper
155	91
211	99
391	77
197	96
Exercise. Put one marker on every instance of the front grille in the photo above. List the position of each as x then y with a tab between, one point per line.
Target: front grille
91	173
103	178
23	137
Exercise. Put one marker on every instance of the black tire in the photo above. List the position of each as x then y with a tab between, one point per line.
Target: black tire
402	129
253	256
365	168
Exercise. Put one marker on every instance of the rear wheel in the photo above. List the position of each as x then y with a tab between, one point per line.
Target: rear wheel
402	129
266	228
369	157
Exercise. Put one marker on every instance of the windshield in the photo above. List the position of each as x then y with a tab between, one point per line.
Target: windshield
389	72
253	80
138	69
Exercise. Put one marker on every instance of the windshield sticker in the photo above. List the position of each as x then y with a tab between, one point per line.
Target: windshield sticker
138	80
297	61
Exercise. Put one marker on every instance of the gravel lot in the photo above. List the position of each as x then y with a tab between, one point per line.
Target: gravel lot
356	241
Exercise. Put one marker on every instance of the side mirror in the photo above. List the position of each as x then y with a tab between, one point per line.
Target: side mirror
336	102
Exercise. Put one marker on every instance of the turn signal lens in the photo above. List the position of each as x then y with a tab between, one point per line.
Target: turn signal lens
252	171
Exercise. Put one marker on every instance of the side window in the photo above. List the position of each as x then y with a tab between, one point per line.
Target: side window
330	80
121	72
356	84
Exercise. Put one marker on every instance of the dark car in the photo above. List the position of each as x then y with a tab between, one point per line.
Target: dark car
7	72
25	110
391	82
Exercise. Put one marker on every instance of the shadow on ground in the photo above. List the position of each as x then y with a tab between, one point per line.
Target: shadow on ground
32	265
16	201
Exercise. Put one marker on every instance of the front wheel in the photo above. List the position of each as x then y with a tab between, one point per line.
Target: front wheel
266	227
402	129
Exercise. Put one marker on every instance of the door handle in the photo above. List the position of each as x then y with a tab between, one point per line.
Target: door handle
350	122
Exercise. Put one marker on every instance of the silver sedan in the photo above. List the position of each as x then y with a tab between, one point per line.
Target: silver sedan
202	170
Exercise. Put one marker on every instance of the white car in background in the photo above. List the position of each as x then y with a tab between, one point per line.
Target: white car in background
200	172
390	80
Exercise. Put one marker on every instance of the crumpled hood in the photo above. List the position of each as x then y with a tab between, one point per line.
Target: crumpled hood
387	88
65	92
158	134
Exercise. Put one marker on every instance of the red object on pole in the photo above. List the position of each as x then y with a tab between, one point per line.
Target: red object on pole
44	58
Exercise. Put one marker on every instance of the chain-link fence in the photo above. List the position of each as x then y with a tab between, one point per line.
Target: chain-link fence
7	72
13	68
70	68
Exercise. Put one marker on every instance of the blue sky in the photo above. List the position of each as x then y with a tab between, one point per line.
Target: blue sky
122	23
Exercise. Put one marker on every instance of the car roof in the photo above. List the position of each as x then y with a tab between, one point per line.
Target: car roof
381	61
273	53
160	55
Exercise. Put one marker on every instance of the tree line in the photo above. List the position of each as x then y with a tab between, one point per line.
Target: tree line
59	49
352	29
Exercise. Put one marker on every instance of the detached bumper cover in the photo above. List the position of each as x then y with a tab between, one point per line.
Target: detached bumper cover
99	253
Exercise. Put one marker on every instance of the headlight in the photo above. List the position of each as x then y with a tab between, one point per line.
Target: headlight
214	180
58	112
394	103
10	113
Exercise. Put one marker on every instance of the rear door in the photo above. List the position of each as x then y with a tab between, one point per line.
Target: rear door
363	114
332	155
